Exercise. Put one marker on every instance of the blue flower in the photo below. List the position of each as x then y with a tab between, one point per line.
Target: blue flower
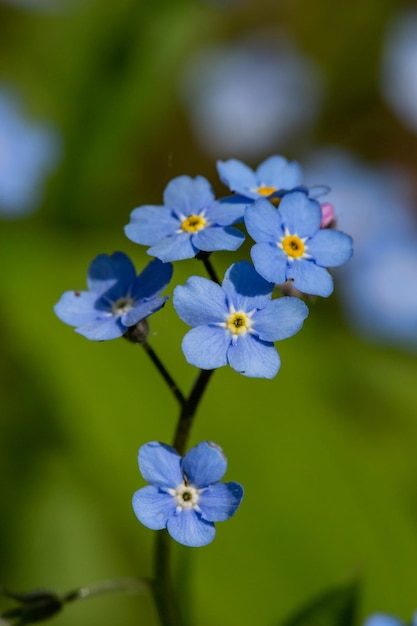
117	299
290	246
190	221
385	619
237	322
28	151
275	176
185	495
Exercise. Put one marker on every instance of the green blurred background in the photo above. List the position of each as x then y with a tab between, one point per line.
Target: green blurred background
326	451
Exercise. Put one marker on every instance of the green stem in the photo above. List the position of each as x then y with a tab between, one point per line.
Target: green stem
189	410
172	385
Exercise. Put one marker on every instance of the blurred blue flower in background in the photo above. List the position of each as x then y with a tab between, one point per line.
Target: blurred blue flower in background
28	153
185	494
378	286
246	98
399	67
384	619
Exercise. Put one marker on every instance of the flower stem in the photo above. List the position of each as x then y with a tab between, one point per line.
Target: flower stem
210	270
165	374
189	410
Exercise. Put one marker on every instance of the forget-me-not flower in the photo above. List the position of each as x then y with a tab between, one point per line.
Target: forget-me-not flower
236	323
386	619
116	299
190	221
184	494
290	246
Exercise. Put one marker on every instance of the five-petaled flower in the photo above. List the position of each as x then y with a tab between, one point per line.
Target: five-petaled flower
184	494
190	221
117	299
236	323
291	246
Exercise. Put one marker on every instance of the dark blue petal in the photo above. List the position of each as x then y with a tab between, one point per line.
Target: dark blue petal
206	347
188	528
330	248
160	464
270	261
218	238
174	248
200	301
204	464
282	318
142	310
154	278
310	278
254	358
152	507
219	502
188	195
245	288
77	307
148	224
112	274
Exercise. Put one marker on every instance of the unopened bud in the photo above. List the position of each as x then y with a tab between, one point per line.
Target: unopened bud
138	333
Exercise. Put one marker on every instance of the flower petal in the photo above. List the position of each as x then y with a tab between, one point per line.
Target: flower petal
330	248
252	357
277	172
206	347
228	210
160	464
245	288
154	278
263	222
174	248
188	195
142	310
219	502
102	329
218	238
270	261
76	307
111	273
148	224
237	176
152	507
300	214
310	278
204	464
281	319
200	301
188	528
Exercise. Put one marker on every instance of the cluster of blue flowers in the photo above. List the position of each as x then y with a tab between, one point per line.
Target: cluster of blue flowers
234	323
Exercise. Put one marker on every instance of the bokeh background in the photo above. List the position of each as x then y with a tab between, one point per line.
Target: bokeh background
101	104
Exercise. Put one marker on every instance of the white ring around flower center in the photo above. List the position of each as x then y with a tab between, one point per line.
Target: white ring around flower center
186	496
122	305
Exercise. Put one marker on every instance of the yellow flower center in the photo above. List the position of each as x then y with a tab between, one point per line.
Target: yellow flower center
266	191
238	323
193	223
293	246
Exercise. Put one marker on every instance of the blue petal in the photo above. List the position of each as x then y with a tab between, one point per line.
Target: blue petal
237	176
174	248
142	310
282	318
279	173
382	619
152	507
154	278
114	274
229	210
330	248
76	307
310	278
270	261
219	502
300	214
245	288
218	238
188	528
101	329
254	358
204	464
200	301
206	347
263	222
160	464
148	224
188	195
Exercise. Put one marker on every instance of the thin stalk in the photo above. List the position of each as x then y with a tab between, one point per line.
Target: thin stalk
172	385
210	269
189	410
